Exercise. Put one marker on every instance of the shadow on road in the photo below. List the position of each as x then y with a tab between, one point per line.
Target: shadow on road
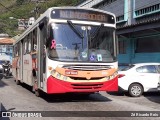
70	97
74	97
2	109
118	93
153	96
2	84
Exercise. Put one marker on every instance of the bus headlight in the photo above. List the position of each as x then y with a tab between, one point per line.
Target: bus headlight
107	78
64	78
114	75
58	75
111	77
53	72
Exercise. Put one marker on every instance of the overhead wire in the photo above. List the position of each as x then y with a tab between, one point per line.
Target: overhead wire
9	10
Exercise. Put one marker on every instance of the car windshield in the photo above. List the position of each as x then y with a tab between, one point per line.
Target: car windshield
3	62
125	68
70	42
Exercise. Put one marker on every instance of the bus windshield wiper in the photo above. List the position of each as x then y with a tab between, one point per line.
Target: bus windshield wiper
74	29
94	34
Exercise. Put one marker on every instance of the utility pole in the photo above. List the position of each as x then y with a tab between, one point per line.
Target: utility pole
37	8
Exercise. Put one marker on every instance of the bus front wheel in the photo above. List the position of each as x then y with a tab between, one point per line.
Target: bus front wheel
37	92
17	82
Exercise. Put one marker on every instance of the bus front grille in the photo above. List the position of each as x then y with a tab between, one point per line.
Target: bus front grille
87	67
82	78
86	86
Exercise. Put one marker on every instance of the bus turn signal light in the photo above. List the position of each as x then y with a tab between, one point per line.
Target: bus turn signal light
50	68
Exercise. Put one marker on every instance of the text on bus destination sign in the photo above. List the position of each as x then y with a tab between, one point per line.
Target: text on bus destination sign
79	14
82	15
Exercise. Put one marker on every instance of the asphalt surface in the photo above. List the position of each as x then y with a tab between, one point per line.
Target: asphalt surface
20	98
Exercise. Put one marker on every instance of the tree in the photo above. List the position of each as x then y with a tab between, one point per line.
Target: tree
20	2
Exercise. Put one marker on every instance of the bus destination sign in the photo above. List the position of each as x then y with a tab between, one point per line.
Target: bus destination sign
79	14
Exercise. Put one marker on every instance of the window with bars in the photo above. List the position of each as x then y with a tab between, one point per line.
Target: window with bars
147	10
119	18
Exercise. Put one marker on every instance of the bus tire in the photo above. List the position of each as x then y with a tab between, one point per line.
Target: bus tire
34	84
37	93
18	82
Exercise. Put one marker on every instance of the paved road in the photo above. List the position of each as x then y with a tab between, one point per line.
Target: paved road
19	98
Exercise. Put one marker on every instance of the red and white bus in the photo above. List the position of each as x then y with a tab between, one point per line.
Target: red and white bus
68	50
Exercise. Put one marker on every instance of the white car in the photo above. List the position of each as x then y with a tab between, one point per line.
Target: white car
139	78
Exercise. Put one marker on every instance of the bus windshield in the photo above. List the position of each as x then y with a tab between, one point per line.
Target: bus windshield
81	43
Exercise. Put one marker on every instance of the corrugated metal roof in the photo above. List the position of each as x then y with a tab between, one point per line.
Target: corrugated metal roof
140	23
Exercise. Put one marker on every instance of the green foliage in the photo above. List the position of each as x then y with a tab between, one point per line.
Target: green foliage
23	9
20	2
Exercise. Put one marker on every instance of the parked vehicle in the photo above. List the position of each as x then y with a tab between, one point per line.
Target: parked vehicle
139	78
158	86
122	66
1	72
6	68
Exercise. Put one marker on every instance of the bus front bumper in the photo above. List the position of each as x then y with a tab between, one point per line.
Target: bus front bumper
58	86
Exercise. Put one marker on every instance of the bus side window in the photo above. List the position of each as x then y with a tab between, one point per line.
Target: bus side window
15	50
29	42
34	40
25	46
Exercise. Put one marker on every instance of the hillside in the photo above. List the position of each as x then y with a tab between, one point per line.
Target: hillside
23	9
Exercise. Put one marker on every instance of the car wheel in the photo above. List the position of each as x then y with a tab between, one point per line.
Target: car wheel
135	90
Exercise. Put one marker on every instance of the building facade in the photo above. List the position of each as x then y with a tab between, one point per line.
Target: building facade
6	49
138	28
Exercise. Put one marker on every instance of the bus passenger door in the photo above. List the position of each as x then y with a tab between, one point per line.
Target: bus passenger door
41	55
21	61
